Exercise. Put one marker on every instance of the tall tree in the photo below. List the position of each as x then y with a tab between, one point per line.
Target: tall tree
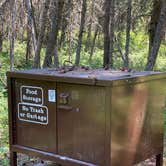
107	6
1	31
43	23
12	32
1	38
31	22
128	29
89	33
93	43
81	30
112	17
3	5
68	7
156	31
28	46
51	49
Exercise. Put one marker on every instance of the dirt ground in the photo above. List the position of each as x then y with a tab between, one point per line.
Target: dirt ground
27	161
24	160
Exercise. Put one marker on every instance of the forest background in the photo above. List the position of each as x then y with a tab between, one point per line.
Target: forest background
117	34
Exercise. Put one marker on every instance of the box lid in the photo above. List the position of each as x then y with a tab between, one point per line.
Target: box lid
99	77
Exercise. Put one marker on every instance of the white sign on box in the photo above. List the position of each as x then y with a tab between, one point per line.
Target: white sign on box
52	95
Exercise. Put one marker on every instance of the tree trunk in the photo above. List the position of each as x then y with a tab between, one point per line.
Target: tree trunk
112	15
156	32
1	41
65	21
12	32
33	18
59	22
88	40
63	32
107	7
128	29
56	57
83	13
155	15
93	44
43	21
56	13
1	34
31	21
118	45
28	49
2	20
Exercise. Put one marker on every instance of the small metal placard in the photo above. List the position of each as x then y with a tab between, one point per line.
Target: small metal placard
52	95
33	113
31	94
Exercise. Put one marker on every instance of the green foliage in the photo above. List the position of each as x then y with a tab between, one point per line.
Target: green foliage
3	126
139	52
3	109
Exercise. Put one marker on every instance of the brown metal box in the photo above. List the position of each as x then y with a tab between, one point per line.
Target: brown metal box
97	117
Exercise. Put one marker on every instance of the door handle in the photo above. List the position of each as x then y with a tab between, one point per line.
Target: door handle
65	108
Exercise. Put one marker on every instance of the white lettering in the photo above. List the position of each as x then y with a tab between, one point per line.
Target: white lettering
31	95
24	108
31	92
31	99
36	110
33	113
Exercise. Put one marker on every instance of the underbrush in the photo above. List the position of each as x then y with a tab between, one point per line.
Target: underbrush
3	110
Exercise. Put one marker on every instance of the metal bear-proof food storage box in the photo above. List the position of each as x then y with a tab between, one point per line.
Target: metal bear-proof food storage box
88	118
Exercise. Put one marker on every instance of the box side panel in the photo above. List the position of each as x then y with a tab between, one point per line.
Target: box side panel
81	123
35	114
11	121
137	122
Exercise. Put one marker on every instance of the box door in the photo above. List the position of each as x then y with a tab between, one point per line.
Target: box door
35	109
81	122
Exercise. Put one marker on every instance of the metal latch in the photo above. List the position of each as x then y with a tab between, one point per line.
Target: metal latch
64	98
